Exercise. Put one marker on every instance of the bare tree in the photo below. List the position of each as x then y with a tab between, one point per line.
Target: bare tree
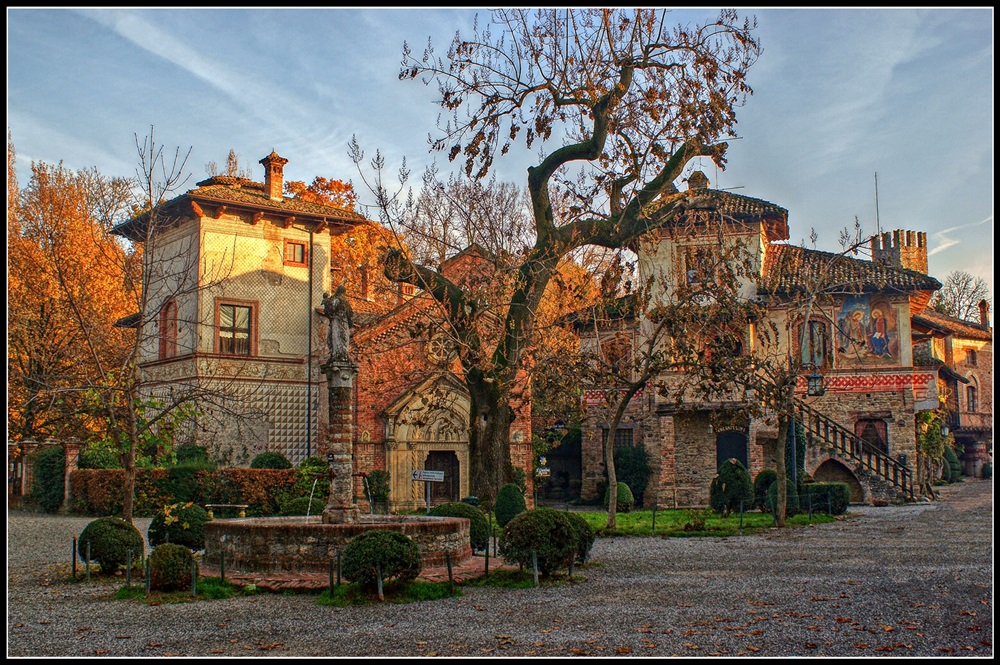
621	95
960	296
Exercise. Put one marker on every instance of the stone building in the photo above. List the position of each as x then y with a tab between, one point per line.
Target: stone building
962	353
860	430
236	276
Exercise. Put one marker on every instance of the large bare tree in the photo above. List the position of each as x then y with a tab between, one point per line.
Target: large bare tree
617	101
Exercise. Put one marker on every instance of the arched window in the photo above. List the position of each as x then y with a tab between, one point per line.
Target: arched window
168	329
971	399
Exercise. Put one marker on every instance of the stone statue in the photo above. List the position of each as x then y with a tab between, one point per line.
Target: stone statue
337	309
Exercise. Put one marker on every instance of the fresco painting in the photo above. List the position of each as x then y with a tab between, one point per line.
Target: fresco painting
867	332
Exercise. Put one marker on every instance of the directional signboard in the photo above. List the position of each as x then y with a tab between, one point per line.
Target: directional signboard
429	476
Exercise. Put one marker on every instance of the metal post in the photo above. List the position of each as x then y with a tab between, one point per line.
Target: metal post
451	580
741	517
128	568
148	576
74	557
378	570
331	578
427	495
534	565
338	567
222	565
88	561
194	579
652	530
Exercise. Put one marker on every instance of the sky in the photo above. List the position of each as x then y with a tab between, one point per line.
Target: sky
884	115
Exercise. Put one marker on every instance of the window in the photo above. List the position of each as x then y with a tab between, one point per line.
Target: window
168	329
236	329
970	357
972	399
873	432
295	253
815	348
623	437
616	353
697	265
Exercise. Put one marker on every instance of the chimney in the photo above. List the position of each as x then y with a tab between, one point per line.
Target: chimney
697	180
274	175
984	314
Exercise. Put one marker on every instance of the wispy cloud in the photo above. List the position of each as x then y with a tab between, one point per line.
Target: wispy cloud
944	240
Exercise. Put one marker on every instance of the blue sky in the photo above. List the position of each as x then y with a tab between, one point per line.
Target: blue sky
839	95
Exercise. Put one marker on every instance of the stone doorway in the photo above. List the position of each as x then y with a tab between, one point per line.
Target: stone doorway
446	461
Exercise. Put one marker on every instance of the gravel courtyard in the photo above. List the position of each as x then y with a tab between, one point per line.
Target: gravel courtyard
898	581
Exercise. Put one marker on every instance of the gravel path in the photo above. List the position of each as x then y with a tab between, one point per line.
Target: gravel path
898	581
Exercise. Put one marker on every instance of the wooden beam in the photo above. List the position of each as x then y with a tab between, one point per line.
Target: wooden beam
257	216
197	209
220	211
320	227
289	221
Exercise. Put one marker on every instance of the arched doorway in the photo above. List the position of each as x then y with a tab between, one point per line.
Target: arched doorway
732	444
833	471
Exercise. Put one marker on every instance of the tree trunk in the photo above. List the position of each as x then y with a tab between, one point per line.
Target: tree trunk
782	481
490	417
609	461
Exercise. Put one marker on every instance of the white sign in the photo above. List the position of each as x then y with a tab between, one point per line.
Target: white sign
543	472
429	476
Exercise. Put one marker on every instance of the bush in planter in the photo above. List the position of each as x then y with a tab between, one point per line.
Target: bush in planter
302	505
170	567
831	498
48	482
585	535
180	524
731	488
397	556
510	503
625	499
479	529
110	540
546	532
270	460
761	484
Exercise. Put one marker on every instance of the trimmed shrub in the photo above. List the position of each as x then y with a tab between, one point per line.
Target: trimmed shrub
952	466
830	498
479	529
190	452
625	499
761	484
792	505
301	505
186	482
110	540
731	488
396	555
170	567
987	470
180	524
270	460
546	532
510	503
585	535
632	468
48	481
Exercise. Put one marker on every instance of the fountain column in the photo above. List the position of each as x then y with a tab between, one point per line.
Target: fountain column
340	508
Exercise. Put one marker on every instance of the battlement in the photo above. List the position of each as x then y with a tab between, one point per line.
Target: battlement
901	249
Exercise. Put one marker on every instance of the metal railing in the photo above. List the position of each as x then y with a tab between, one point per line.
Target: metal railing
849	445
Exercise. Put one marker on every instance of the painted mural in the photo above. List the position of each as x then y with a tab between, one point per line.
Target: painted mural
867	332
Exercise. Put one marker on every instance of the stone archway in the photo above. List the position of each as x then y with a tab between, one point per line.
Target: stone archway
429	422
834	471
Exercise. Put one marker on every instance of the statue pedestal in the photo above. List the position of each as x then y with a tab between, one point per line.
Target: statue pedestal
340	508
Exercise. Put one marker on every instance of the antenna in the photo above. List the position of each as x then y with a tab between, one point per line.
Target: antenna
878	229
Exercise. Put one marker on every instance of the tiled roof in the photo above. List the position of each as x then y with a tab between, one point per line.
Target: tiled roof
739	208
789	269
949	324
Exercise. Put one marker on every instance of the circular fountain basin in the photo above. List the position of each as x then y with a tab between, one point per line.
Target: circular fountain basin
306	545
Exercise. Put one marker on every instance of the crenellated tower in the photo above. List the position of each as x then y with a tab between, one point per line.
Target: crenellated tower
901	249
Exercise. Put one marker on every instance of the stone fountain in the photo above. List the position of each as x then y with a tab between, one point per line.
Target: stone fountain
308	545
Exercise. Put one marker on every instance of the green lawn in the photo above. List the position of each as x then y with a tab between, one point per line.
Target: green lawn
682	523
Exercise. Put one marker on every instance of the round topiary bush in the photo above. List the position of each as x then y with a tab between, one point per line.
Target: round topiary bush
396	555
585	535
170	567
761	484
792	497
181	524
831	498
48	481
625	499
301	505
479	529
110	540
546	532
731	489
270	460
509	504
